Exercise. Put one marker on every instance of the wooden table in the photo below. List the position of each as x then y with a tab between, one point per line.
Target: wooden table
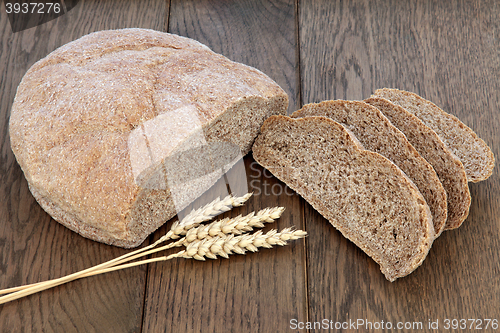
446	51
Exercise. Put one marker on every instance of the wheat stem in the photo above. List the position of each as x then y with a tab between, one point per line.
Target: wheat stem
106	264
198	216
57	282
210	247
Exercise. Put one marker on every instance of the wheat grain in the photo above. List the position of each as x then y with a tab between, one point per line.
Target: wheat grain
224	245
203	214
237	225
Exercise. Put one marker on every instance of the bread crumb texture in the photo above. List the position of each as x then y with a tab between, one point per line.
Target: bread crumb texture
376	133
94	122
363	194
448	167
476	156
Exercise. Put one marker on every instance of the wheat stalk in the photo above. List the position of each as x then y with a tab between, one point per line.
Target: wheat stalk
219	238
222	246
195	217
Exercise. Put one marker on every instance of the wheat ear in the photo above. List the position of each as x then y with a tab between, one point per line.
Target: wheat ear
237	225
225	245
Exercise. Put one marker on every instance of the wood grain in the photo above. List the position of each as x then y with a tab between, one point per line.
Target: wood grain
33	246
449	53
256	292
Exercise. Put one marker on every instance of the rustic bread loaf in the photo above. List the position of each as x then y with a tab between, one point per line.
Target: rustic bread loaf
103	126
363	194
376	133
475	155
447	166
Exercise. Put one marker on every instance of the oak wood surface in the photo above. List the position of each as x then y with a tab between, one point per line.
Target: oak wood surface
446	51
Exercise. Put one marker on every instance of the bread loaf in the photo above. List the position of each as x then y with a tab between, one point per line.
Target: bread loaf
104	126
363	194
472	151
376	133
448	167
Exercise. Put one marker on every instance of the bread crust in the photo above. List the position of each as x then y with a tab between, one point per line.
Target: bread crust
349	186
93	123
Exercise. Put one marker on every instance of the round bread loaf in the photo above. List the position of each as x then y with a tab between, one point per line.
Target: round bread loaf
104	126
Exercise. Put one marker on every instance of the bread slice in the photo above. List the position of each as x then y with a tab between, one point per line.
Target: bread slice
376	133
363	194
476	156
118	131
448	167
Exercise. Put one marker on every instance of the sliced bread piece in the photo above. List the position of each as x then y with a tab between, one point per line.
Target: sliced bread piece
363	194
376	133
476	156
448	167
